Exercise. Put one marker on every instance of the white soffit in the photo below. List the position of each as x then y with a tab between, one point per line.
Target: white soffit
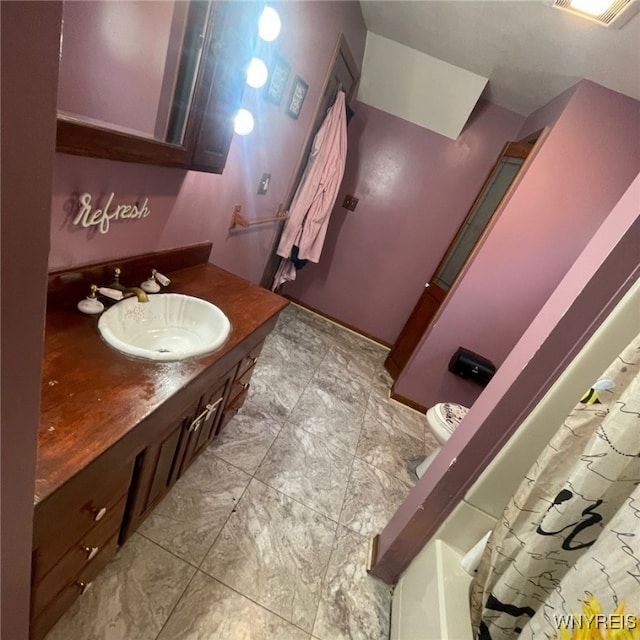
417	87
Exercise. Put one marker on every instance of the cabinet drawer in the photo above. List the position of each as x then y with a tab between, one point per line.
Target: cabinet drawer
240	384
72	511
50	614
80	555
250	359
232	408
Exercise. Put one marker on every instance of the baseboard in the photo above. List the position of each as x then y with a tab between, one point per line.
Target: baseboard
407	401
346	325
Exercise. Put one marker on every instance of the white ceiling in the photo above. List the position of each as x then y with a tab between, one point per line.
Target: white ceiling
529	51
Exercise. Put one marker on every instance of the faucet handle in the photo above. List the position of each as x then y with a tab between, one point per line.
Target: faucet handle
163	280
114	294
91	305
151	285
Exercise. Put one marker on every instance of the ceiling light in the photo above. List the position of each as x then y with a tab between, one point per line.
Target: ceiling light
592	7
256	73
607	13
269	24
243	123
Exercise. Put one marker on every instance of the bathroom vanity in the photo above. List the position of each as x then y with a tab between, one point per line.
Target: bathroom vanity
117	432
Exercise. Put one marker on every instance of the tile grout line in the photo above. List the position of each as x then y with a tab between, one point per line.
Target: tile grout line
286	420
337	523
253	477
394	475
203	571
323	581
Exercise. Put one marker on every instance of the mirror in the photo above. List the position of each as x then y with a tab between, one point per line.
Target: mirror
154	81
130	66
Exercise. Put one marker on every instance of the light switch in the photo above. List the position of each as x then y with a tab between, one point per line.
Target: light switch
350	202
263	187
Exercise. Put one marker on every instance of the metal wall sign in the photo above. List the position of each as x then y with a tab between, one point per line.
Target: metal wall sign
89	216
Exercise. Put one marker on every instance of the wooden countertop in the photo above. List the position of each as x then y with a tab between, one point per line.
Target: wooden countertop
93	395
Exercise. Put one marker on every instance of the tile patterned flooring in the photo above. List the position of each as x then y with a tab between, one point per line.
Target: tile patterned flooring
266	535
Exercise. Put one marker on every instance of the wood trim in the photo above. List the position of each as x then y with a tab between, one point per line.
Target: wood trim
414	329
517	149
513	149
533	137
335	320
67	286
412	404
341	49
83	139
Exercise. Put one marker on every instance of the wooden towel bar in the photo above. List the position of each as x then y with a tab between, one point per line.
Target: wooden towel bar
238	219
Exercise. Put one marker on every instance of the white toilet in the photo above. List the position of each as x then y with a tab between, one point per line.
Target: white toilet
443	419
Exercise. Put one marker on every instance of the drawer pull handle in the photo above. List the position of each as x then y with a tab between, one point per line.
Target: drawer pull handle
212	407
254	359
84	586
98	514
245	386
91	552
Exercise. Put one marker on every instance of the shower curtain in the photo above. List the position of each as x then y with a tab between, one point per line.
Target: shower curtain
573	526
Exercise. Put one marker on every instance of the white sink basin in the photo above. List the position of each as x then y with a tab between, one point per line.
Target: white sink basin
170	326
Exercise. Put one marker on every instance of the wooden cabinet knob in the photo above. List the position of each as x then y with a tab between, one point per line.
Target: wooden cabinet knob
91	552
98	514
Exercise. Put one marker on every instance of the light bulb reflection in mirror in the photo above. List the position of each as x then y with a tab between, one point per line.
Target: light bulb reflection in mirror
243	123
256	73
269	24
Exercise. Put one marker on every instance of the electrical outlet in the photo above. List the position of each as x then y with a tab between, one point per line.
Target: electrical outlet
263	187
350	202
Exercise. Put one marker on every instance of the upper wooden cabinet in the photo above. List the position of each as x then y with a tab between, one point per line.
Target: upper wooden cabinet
197	91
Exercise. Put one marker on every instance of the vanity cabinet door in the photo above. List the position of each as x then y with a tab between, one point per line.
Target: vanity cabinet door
163	462
156	470
202	429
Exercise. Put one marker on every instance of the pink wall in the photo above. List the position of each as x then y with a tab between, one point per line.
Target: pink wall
30	37
189	207
598	279
547	115
588	160
74	245
415	188
113	61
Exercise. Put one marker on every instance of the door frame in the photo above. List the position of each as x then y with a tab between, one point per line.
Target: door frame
523	149
341	50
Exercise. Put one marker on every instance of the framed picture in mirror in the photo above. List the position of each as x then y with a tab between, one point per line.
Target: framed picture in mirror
277	80
296	98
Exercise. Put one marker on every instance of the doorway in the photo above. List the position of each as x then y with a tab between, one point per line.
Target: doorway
487	202
343	74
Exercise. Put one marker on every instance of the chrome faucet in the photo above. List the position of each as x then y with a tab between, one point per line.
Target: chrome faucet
127	292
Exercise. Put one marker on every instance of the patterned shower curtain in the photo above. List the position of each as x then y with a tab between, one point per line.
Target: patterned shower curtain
573	526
